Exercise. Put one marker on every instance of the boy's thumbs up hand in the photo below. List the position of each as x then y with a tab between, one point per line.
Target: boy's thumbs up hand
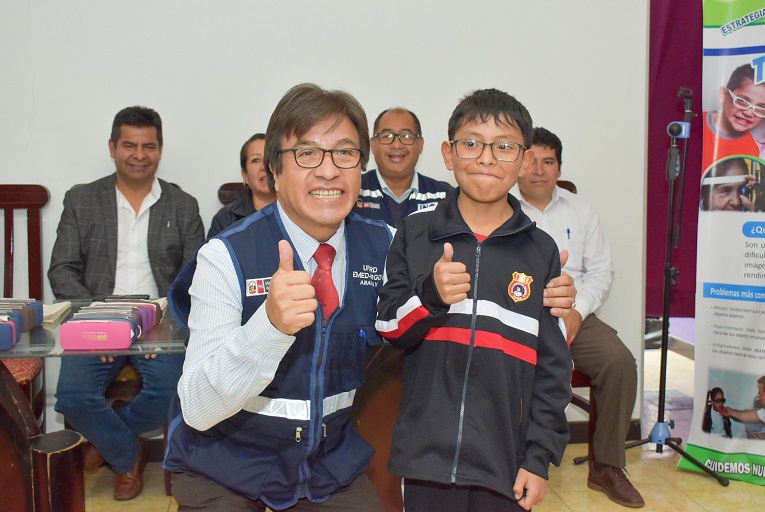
291	298
451	277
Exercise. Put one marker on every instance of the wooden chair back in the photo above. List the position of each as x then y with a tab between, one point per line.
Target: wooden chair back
568	185
28	373
229	192
33	199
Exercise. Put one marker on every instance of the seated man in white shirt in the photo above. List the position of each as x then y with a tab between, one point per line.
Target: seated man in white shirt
596	349
126	233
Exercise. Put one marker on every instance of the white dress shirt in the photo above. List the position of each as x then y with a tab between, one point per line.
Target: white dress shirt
228	364
574	225
133	273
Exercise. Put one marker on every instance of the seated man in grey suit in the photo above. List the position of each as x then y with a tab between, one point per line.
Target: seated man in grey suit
127	233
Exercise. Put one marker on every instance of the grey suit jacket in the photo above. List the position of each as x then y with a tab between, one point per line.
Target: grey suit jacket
84	260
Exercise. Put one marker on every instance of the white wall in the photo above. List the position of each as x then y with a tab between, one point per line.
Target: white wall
215	70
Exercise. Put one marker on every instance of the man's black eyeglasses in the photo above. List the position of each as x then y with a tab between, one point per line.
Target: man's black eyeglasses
406	139
309	157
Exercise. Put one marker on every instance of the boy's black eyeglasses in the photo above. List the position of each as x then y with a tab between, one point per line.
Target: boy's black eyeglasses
719	400
503	151
310	157
406	139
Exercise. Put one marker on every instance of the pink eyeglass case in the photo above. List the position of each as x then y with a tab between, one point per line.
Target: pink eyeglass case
96	334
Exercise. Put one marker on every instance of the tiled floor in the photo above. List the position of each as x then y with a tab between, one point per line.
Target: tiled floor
663	486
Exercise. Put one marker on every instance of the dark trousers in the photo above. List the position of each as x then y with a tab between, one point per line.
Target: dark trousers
598	352
196	492
421	496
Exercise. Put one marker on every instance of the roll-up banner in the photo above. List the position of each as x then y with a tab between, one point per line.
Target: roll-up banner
728	430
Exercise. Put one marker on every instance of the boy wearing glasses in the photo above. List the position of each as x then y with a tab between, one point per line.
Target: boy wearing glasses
394	189
487	370
726	132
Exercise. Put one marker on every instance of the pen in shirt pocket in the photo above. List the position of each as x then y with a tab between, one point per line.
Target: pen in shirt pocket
568	233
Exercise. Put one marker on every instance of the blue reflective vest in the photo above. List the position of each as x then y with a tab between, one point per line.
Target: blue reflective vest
371	202
280	460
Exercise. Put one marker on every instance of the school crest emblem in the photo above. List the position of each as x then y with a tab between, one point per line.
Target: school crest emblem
519	288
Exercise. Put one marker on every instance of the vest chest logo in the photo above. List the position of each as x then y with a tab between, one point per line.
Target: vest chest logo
258	286
519	288
369	275
367	204
426	206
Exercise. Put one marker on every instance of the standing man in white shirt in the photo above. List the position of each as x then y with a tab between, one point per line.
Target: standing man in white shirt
596	349
127	233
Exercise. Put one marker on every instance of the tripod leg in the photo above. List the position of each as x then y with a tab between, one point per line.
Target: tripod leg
723	481
641	442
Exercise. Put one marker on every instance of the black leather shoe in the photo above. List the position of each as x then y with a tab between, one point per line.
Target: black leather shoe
613	482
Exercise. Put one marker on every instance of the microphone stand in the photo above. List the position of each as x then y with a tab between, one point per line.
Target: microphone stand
660	432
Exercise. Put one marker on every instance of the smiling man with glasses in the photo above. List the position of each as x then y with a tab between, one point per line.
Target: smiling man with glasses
742	108
394	189
281	312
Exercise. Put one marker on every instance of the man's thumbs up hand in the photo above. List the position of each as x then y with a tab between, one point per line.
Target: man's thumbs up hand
291	298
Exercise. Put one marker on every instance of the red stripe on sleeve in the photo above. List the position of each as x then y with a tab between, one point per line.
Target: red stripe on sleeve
406	322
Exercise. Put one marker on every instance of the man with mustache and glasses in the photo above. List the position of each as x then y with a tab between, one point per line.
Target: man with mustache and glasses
395	189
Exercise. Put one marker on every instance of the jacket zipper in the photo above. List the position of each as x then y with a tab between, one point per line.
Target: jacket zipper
473	318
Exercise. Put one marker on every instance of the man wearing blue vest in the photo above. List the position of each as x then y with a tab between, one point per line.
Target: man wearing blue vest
278	339
281	311
394	189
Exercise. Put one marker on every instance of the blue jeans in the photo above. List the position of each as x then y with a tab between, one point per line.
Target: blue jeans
82	383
